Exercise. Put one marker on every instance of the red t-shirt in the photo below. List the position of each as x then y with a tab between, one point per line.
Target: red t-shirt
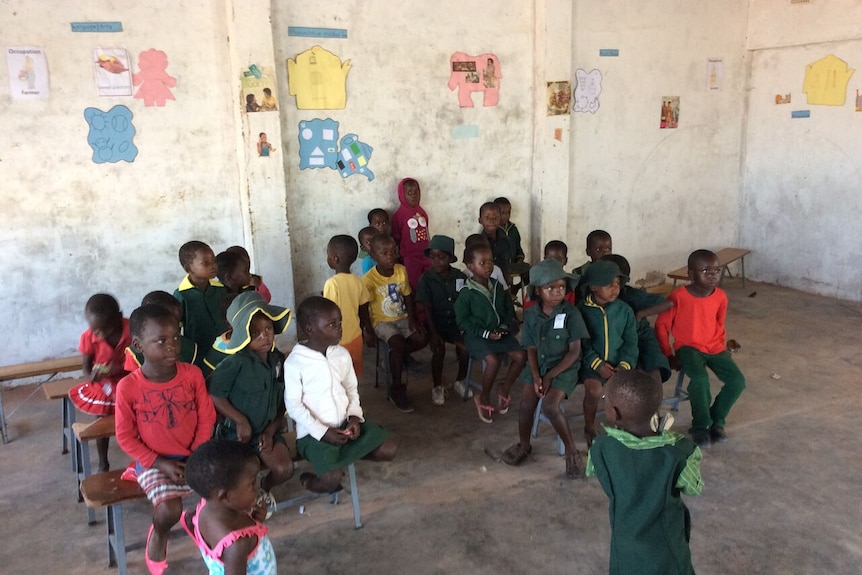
169	418
107	359
696	322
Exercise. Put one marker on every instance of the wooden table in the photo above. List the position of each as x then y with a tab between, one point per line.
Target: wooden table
726	256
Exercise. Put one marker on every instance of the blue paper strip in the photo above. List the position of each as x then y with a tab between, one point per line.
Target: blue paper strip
97	26
316	32
609	52
465	131
800	114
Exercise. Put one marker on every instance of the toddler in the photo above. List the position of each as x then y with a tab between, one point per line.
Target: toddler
200	294
485	313
410	230
188	353
103	346
348	292
163	413
323	399
644	469
256	280
247	387
489	218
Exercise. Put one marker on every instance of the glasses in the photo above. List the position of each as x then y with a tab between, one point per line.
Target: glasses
711	271
552	289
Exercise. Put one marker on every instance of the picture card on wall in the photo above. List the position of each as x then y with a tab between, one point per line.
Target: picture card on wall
558	96
259	89
318	79
111	72
588	89
154	81
28	73
111	134
826	81
470	74
669	112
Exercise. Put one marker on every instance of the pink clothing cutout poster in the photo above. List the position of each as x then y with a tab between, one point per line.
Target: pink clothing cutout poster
475	74
153	79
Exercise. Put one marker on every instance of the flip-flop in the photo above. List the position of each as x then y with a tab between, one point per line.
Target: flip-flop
154	567
480	409
503	402
516	454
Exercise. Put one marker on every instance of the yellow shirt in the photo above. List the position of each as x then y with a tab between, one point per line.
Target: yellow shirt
387	294
348	291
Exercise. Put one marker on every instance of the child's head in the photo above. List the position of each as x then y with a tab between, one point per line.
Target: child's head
383	252
378	218
103	315
621	262
704	271
604	278
555	249
505	209
255	323
156	335
549	282
365	235
319	321
198	260
598	244
167	301
240	251
267	92
489	217
341	252
479	260
409	193
233	271
249	99
632	397
262	137
224	471
441	252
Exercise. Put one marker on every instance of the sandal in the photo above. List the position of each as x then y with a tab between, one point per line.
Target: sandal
481	409
503	402
574	465
154	567
590	435
516	454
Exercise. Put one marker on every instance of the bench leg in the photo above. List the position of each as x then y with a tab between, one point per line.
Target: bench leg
68	416
116	538
3	421
83	473
742	265
354	495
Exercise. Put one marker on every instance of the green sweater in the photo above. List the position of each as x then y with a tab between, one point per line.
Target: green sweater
480	311
613	334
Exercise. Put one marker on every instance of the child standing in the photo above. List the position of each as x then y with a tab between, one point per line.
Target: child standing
553	329
188	349
349	292
511	231
438	289
233	272
365	261
489	218
247	387
697	324
485	313
163	413
378	218
323	399
200	294
391	315
256	280
410	230
613	342
230	539
644	470
103	345
599	243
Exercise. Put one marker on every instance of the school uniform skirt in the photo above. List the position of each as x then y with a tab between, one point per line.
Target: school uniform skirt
327	457
479	347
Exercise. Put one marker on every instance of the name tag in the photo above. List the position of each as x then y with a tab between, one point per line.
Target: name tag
560	321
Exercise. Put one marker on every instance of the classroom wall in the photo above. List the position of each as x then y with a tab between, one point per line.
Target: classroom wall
801	199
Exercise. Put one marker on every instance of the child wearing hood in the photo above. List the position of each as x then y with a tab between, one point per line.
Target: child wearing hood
410	231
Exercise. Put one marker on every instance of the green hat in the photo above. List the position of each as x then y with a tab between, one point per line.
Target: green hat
602	273
444	244
242	309
546	272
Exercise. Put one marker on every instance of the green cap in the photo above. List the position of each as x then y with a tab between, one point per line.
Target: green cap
602	273
444	244
548	271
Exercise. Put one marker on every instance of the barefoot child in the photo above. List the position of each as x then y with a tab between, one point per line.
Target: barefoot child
485	313
230	539
349	292
104	347
322	398
163	413
553	329
644	470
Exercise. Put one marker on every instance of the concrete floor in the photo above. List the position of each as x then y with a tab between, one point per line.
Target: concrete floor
782	496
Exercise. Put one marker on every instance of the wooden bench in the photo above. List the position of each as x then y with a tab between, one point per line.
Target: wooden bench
726	256
50	367
109	491
84	434
59	389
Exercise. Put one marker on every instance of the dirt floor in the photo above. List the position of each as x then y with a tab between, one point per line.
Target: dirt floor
781	496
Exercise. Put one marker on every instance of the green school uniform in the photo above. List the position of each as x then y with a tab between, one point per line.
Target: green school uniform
202	315
501	249
650	356
440	292
613	335
480	311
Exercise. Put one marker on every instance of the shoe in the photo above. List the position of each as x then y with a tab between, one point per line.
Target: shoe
462	389
485	412
503	404
717	434
574	465
516	454
438	395
700	437
266	499
398	397
154	567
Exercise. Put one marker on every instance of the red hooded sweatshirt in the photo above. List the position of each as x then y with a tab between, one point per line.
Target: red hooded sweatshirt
410	225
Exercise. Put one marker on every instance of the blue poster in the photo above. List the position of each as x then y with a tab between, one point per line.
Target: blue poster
318	143
354	156
111	134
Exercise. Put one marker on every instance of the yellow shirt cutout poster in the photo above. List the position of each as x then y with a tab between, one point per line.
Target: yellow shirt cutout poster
318	79
826	81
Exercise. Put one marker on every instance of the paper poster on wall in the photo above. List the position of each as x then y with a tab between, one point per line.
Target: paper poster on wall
669	112
318	79
714	74
154	81
826	81
779	99
259	90
588	90
111	134
111	71
558	95
318	144
470	74
264	148
858	102
353	157
28	73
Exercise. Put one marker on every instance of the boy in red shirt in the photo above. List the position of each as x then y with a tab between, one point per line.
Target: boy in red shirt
696	321
163	413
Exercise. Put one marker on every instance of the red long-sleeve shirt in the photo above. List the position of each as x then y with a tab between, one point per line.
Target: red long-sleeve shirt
169	418
696	322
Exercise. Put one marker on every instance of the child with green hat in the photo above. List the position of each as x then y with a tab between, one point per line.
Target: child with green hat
613	342
247	387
